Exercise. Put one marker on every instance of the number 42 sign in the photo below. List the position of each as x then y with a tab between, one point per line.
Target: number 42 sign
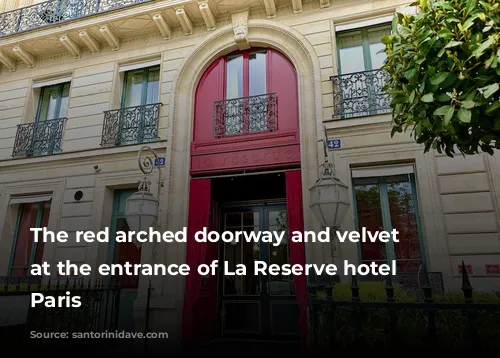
160	162
334	143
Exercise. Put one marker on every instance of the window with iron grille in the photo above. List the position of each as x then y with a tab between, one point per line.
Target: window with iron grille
247	106
44	135
358	88
137	120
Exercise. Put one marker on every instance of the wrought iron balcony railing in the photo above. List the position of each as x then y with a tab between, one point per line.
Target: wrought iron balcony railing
131	125
246	115
55	12
359	94
39	138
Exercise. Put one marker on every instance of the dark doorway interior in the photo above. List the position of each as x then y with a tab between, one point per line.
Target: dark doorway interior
263	187
254	306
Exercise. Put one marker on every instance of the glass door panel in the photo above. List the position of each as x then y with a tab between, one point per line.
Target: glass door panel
242	253
374	37
49	101
241	303
261	305
257	108
234	77
404	220
133	88
279	285
351	53
369	215
21	259
63	105
387	203
152	92
257	74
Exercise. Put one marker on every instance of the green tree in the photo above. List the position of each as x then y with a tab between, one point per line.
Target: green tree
443	69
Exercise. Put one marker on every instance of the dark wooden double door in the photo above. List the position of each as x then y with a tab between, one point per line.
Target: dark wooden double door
256	306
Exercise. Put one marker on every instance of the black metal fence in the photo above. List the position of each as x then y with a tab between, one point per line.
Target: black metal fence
380	317
56	12
55	323
359	94
131	125
253	114
39	138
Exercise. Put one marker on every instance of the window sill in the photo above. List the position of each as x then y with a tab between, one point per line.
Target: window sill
80	154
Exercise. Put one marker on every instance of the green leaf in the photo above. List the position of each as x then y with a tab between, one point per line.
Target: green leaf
386	40
478	52
464	115
471	5
453	44
441	52
445	33
468	104
412	96
428	98
443	97
469	22
398	99
493	107
439	78
489	90
447	112
411	73
441	111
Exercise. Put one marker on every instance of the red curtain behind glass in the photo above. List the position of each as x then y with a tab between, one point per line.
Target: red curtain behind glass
24	242
198	218
294	206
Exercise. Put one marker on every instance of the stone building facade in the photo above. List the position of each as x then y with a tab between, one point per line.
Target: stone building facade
222	90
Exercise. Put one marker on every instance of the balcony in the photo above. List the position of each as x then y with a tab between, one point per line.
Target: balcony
39	138
246	115
131	125
56	12
359	94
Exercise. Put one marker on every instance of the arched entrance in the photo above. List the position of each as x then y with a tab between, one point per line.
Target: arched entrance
206	156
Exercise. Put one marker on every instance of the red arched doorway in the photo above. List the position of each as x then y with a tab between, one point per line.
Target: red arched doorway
245	168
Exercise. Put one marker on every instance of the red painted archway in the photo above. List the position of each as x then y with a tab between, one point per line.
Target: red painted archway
277	146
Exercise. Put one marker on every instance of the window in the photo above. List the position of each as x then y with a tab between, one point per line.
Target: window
360	50
246	74
141	87
358	90
139	114
26	252
122	252
247	108
49	119
387	202
53	103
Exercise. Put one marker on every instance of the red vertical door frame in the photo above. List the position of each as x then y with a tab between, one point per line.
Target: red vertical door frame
198	218
295	216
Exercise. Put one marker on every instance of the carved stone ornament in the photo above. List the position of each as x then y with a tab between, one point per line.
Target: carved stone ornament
240	28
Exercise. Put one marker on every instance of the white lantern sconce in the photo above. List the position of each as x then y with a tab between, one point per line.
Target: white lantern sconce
141	208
